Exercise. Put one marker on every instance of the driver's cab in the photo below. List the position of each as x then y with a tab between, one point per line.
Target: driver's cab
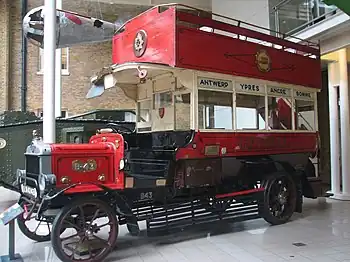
165	103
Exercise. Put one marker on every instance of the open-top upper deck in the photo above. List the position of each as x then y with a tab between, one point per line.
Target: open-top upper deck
180	79
186	37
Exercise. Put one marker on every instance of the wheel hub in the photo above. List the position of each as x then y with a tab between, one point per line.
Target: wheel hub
282	198
88	233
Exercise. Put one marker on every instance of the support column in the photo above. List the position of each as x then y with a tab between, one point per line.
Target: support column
334	128
344	123
49	123
58	85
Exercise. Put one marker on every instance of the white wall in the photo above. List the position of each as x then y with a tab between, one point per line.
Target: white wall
336	42
250	11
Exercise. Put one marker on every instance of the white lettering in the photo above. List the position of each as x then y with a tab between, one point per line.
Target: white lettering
29	190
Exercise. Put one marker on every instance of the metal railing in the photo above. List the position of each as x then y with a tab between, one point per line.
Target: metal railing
292	16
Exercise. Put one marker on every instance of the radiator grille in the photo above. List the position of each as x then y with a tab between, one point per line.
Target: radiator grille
32	165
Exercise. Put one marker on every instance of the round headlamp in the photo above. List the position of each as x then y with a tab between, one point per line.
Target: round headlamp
42	183
46	181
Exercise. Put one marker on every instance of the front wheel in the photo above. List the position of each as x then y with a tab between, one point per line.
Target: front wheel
90	231
36	230
279	202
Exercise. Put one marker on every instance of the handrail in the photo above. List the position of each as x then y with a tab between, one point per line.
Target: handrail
280	4
293	31
285	44
277	7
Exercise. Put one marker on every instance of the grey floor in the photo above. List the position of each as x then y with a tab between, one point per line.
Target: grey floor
320	234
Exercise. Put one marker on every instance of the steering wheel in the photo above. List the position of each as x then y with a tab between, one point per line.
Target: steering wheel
119	128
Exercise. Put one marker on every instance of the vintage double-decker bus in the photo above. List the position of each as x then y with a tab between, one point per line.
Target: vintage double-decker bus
226	128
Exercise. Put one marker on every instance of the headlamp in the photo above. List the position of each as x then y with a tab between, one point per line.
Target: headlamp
46	181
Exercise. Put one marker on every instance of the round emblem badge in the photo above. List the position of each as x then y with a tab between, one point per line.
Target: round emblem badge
140	43
263	61
2	143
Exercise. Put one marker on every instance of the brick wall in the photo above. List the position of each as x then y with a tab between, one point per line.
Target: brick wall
4	51
84	61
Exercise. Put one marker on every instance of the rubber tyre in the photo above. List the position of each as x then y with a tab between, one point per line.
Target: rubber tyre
25	231
55	239
263	207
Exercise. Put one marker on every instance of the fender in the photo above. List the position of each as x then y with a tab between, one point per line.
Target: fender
122	207
278	167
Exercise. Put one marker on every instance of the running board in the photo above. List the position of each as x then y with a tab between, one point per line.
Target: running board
239	206
180	216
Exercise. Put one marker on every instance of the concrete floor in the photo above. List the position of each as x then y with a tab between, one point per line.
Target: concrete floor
322	231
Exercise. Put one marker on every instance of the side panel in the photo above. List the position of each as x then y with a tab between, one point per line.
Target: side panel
213	144
158	41
117	140
222	54
83	163
226	172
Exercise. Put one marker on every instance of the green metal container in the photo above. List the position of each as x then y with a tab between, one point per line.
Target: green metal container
16	135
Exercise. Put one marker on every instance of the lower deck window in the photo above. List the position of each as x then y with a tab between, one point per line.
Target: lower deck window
250	112
280	113
305	115
182	111
162	100
215	110
144	111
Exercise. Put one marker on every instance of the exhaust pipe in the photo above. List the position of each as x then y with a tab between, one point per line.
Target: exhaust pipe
72	28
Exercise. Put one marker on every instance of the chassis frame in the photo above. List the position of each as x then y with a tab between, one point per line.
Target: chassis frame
166	216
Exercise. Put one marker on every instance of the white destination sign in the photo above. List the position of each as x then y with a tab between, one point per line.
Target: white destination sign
250	88
214	83
278	91
303	95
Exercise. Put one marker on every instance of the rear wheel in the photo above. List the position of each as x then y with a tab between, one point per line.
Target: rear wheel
90	231
279	202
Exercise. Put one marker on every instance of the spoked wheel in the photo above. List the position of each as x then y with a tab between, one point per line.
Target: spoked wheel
279	199
90	231
36	230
